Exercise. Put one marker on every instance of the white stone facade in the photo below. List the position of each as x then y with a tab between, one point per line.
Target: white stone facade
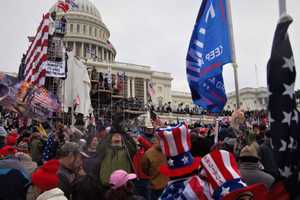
183	98
250	99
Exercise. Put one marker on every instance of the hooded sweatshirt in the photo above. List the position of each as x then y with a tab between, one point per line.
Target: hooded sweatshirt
54	194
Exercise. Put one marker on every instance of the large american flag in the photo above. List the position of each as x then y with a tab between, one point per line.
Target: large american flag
36	56
284	116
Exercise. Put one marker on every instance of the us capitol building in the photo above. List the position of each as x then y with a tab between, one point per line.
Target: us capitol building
88	36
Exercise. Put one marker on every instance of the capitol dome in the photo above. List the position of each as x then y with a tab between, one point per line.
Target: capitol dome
86	32
84	6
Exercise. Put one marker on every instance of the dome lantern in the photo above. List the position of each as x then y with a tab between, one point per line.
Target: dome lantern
86	32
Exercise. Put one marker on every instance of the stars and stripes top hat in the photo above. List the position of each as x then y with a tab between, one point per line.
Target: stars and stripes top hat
176	145
187	188
225	179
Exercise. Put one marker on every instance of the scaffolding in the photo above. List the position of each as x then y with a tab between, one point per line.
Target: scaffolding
109	98
108	94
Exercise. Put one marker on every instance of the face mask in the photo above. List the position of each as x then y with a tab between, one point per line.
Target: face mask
117	144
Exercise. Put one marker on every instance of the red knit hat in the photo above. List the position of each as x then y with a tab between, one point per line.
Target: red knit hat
7	150
46	177
12	138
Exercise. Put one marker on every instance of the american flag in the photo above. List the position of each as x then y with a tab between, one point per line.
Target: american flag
283	114
151	90
36	56
121	80
50	148
64	6
44	98
72	3
109	45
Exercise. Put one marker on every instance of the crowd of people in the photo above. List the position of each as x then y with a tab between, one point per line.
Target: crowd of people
230	160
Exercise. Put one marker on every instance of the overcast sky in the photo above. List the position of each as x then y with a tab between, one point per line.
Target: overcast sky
157	33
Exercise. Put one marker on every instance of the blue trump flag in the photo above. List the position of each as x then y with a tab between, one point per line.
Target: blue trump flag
209	50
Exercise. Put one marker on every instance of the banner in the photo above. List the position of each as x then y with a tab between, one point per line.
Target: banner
56	69
27	99
209	50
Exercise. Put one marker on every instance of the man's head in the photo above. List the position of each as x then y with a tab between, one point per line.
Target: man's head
70	156
149	130
249	153
256	129
53	15
116	139
101	132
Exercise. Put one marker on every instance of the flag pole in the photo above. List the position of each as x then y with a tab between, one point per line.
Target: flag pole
282	7
234	64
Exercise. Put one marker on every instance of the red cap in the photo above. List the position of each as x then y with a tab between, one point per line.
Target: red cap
145	143
7	150
46	177
12	138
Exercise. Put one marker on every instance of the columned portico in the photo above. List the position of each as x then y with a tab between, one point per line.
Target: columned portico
128	88
145	91
133	87
82	50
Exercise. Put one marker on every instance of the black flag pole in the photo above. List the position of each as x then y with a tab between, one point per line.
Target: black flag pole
282	7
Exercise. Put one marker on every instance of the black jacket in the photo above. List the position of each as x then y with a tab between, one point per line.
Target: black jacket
87	188
267	158
13	184
66	181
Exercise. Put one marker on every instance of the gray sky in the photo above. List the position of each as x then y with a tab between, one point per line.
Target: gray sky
157	33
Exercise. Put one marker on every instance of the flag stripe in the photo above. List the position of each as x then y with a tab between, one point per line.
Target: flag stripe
37	39
172	144
220	162
184	138
35	68
226	157
188	136
40	45
39	32
197	189
164	143
178	141
214	174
